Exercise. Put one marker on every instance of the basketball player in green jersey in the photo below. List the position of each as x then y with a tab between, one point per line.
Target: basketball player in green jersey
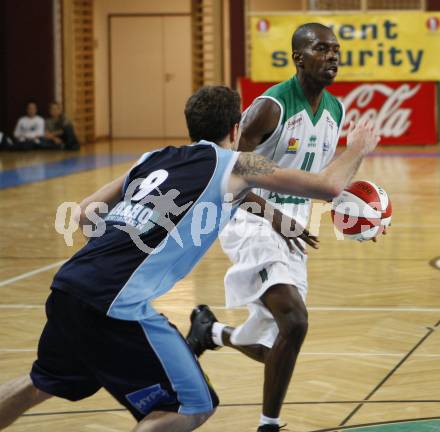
297	124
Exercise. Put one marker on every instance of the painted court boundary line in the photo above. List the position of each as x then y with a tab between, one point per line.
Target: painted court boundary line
233	405
172	307
45	171
391	373
308	354
338	354
336	308
396	309
21	306
31	273
385	423
35	173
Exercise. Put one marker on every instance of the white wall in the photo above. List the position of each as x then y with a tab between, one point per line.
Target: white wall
102	9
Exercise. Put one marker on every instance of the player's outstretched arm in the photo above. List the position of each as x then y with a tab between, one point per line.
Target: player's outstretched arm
253	170
256	171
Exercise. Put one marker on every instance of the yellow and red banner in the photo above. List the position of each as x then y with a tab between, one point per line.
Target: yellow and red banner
374	46
404	113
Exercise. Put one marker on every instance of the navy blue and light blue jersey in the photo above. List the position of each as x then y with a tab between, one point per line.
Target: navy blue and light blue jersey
173	205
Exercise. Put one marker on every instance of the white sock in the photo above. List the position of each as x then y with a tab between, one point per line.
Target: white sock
269	420
216	333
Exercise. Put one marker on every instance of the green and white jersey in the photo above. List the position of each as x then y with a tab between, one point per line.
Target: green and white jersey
301	140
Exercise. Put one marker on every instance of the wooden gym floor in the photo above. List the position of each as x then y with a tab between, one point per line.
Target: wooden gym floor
372	355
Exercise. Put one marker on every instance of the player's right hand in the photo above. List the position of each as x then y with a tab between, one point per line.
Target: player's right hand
362	137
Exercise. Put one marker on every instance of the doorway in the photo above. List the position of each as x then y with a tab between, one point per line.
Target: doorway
150	75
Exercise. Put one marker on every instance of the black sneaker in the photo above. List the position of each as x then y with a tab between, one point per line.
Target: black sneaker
270	428
199	336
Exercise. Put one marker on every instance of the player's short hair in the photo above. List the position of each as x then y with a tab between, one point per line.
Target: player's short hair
211	112
300	36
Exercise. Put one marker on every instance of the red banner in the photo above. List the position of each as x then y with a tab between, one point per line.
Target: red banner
403	112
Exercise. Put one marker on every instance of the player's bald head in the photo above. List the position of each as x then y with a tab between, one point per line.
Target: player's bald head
306	33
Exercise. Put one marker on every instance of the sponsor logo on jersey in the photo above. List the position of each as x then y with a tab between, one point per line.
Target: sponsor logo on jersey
326	147
294	122
286	199
147	398
312	141
135	215
330	122
293	146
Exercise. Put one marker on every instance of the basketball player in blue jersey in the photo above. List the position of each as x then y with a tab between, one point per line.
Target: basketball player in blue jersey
102	330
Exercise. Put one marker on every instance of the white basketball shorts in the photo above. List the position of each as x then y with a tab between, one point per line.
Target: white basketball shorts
260	259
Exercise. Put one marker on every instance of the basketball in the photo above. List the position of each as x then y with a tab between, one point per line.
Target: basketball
362	211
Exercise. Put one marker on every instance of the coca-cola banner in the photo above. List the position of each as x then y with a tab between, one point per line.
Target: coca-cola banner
403	112
374	46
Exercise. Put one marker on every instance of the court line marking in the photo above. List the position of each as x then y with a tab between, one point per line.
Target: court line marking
35	173
105	410
31	273
383	423
322	308
11	257
96	427
391	372
305	353
338	354
20	306
371	309
396	309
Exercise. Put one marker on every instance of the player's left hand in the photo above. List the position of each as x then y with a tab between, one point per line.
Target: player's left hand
311	240
298	232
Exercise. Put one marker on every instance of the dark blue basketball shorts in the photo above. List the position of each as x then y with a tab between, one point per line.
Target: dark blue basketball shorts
146	365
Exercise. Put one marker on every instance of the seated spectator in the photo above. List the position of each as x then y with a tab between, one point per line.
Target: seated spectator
6	143
29	132
59	128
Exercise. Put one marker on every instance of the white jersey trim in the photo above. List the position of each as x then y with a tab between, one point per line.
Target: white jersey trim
341	124
279	127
